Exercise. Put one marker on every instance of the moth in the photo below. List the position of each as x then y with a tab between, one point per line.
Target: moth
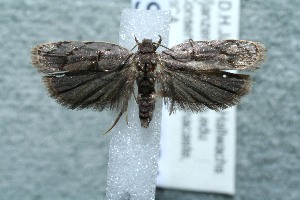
191	76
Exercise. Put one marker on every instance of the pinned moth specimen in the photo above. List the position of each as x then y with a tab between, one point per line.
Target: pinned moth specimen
190	76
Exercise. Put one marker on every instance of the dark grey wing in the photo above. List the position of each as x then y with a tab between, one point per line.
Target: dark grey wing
78	56
192	79
80	75
196	91
215	55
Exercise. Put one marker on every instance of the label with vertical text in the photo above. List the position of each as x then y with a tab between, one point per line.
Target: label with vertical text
198	150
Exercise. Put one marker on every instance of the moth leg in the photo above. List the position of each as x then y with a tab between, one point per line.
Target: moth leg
126	118
115	122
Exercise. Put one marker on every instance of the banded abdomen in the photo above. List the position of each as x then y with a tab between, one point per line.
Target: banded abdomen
145	99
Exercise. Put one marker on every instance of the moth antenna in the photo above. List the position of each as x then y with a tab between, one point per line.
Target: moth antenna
162	46
159	41
136	40
133	47
115	122
191	41
170	54
192	44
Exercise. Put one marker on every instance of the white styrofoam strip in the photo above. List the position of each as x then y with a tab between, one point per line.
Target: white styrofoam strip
132	167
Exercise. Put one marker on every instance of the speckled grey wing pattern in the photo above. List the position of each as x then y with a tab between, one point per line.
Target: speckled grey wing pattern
192	74
80	75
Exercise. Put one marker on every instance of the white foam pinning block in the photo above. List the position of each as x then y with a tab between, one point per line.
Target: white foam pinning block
133	155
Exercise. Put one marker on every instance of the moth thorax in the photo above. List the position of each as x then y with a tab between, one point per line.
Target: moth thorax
146	46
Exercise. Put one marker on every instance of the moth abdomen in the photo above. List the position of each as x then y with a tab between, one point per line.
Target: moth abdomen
146	107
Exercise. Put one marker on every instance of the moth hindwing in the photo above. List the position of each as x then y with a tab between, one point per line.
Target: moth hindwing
191	75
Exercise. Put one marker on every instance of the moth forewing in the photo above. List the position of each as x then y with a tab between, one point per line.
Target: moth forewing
78	56
216	55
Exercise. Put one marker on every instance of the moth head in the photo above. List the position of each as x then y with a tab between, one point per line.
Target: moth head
146	46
